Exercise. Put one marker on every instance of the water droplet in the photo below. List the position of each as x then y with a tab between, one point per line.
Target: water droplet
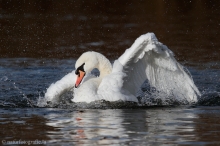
4	78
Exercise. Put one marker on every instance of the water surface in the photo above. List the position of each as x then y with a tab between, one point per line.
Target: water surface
41	40
151	126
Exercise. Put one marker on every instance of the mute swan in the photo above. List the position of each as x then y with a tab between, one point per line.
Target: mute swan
147	59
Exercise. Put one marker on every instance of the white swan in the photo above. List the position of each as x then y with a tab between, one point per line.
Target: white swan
147	58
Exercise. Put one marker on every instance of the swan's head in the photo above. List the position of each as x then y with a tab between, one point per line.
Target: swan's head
86	63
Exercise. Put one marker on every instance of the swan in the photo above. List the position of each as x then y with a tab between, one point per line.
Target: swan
147	59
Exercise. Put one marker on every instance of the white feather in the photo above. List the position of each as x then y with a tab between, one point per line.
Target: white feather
156	63
60	87
145	59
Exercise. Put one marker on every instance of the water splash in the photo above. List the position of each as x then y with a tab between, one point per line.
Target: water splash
15	102
210	99
26	87
4	78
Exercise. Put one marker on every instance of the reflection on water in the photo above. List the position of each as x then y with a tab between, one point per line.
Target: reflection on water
23	124
153	126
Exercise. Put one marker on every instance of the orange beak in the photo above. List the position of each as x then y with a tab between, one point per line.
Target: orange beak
79	78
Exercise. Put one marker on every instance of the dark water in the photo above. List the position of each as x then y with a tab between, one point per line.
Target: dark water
151	126
40	41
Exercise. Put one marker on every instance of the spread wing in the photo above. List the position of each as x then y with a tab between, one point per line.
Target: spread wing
57	89
60	87
148	59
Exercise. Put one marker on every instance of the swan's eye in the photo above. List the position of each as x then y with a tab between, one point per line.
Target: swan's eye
80	68
77	72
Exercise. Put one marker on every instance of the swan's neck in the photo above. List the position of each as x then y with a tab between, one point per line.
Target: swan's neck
104	66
